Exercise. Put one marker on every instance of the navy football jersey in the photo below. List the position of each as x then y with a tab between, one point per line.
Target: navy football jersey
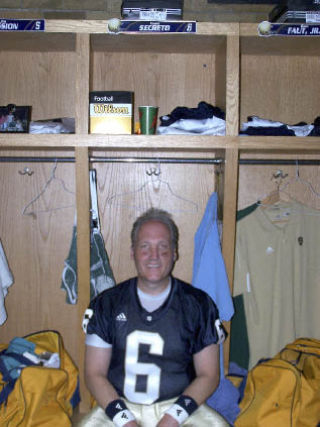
152	353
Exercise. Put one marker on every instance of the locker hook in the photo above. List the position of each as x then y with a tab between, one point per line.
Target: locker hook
279	174
26	171
153	171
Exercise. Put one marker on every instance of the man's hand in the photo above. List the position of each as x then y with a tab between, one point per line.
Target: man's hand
167	421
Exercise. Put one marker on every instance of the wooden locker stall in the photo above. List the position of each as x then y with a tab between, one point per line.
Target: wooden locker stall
279	80
38	70
167	71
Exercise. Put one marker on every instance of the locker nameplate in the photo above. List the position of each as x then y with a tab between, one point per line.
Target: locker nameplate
22	24
142	26
267	29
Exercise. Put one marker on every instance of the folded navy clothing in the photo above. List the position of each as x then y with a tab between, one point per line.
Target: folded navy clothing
317	121
268	131
316	129
259	126
203	111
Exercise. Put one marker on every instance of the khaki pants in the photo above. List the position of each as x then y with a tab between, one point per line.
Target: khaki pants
149	416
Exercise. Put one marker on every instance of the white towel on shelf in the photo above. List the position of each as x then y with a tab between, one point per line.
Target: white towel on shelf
211	126
6	280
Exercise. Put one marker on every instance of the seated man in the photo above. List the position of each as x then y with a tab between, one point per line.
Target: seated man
152	354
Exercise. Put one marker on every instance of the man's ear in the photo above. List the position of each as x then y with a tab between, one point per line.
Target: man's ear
131	252
175	255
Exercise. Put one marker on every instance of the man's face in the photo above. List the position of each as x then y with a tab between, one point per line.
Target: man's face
154	255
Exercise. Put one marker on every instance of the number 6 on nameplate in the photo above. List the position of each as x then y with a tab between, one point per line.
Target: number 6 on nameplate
133	367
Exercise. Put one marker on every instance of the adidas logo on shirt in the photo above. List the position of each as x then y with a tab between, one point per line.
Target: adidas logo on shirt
220	331
121	317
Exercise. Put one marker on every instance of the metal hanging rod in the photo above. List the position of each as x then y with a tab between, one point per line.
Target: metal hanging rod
16	159
30	159
279	162
155	160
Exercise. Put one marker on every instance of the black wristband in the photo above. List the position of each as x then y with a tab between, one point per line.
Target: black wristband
187	403
115	407
182	408
118	412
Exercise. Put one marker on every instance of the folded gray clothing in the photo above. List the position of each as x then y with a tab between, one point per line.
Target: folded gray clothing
210	126
63	125
101	276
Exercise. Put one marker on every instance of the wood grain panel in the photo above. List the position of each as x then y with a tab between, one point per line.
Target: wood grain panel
125	191
83	259
166	143
82	82
256	181
252	44
157	43
280	88
36	247
40	79
167	80
229	227
100	26
37	41
232	90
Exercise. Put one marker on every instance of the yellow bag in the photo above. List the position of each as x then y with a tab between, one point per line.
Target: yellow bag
284	391
40	396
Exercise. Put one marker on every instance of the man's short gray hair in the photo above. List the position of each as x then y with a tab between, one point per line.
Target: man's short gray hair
160	215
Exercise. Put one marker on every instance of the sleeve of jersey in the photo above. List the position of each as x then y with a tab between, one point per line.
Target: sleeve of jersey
99	322
210	328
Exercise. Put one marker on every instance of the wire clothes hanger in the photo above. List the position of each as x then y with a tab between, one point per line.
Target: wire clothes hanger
297	178
52	178
278	194
157	186
290	204
95	221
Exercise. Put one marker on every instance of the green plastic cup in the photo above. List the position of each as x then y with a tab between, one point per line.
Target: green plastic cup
148	116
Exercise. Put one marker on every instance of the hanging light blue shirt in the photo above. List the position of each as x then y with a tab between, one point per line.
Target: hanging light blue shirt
209	274
209	271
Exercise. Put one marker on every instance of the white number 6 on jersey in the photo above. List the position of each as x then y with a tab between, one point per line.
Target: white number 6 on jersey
133	367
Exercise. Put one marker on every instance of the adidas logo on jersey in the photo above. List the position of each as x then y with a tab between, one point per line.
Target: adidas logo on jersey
121	317
86	318
220	331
